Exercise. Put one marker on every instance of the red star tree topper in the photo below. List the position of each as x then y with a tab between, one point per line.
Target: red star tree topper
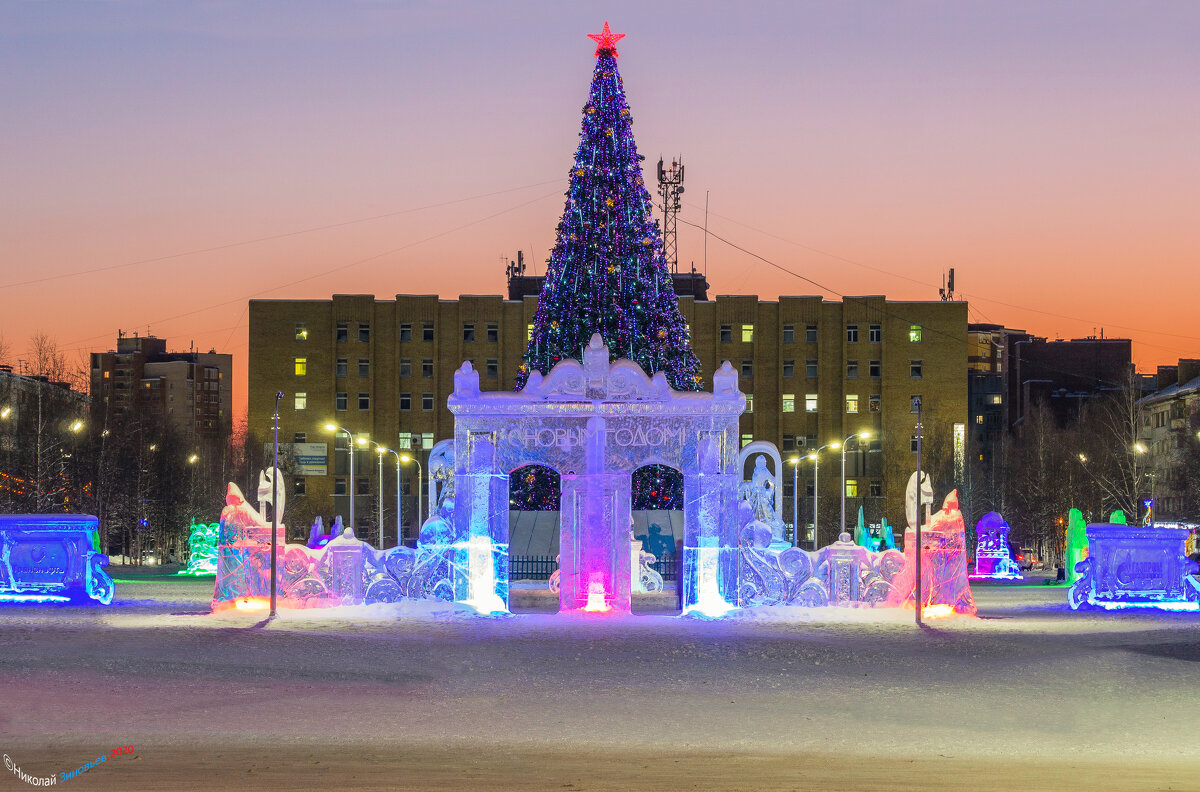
606	40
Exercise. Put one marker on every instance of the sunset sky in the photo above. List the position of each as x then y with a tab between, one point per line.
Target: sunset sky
164	162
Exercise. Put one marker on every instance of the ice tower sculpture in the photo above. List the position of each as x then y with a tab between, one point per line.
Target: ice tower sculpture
1133	566
595	423
944	585
52	558
1077	543
993	559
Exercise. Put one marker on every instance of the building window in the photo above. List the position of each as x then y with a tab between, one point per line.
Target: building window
339	486
996	399
749	402
468	333
876	489
789	442
789	369
364	401
298	487
914	334
913	443
301	400
851	402
726	334
875	369
851	334
979	419
427	331
913	401
426	401
810	369
528	332
406	332
301	331
810	402
362	486
300	437
364	332
427	440
301	366
493	368
789	334
364	367
747	368
340	401
874	334
810	334
343	332
747	439
493	332
914	369
873	403
341	368
427	367
747	333
405	401
789	402
405	367
851	488
851	369
405	441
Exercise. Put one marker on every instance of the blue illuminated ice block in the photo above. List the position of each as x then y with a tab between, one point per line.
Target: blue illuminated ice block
52	558
1133	566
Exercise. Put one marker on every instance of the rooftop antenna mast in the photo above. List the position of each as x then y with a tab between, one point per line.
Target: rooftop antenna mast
947	290
670	187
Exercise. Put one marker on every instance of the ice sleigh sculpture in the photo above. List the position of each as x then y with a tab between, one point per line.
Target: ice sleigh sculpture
52	558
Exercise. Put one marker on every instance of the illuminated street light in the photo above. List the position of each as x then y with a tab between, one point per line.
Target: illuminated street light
420	485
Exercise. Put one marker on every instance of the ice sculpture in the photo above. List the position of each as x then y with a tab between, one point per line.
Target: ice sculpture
1132	566
887	539
944	586
862	536
1118	518
993	559
1077	543
202	544
843	574
52	558
646	578
594	423
761	495
910	498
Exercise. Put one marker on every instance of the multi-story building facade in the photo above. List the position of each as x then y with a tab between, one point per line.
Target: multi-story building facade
1170	432
814	371
1063	374
191	393
40	422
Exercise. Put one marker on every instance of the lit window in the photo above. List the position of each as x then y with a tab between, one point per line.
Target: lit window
996	399
789	402
341	400
810	402
851	369
978	419
427	440
914	369
873	403
405	441
851	488
874	334
726	334
851	334
789	334
364	401
747	439
301	400
851	403
914	334
747	333
528	332
301	366
301	331
749	402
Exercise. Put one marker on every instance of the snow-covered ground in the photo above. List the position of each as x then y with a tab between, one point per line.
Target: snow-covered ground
1028	695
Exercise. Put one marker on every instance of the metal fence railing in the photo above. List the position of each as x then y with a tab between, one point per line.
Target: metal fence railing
542	567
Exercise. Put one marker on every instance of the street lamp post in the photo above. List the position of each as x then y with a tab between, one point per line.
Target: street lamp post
329	427
795	463
381	450
420	486
857	436
916	402
275	506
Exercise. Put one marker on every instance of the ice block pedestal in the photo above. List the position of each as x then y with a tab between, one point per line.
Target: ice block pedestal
1130	566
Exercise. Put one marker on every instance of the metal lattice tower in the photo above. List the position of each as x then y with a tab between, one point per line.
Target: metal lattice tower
670	187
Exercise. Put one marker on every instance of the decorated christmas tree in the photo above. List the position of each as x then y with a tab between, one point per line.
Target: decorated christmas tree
607	274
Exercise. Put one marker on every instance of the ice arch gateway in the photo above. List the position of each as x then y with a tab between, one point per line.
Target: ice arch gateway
595	423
